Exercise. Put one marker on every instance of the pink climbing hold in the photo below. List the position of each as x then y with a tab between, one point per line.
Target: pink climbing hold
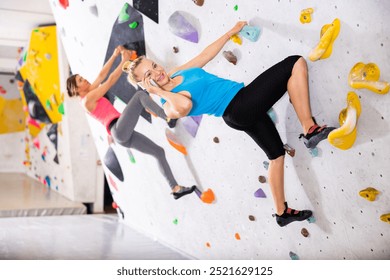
112	182
33	122
36	143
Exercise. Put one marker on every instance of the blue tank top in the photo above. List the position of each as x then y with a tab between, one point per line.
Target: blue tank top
210	94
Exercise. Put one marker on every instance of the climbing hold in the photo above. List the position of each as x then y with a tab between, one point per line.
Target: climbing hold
48	181
235	7
367	76
48	105
2	90
208	245
131	156
266	165
314	152
293	256
216	140
64	3
262	179
191	126
344	136
252	33
198	2
304	232
33	122
306	15
208	196
61	109
133	25
369	193
27	163
182	28
272	114
112	182
329	33
175	142
237	236
260	193
385	218
114	205
236	39
311	220
175	221
48	56
175	49
112	163
252	218
36	142
229	55
93	9
290	151
123	16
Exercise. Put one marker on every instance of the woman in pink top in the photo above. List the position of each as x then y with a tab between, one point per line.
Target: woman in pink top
121	126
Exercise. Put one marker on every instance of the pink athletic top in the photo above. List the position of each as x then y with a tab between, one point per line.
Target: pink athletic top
105	113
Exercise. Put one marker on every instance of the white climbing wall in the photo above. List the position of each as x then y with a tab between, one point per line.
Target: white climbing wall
347	226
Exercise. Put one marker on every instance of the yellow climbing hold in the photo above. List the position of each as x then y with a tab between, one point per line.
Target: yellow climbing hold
236	39
306	15
344	136
385	218
367	76
369	193
329	33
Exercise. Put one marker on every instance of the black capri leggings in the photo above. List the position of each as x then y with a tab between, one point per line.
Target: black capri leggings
248	109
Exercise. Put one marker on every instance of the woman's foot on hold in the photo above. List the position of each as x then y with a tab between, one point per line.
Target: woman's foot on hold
182	191
315	135
291	215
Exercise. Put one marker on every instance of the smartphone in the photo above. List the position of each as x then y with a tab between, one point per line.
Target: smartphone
152	82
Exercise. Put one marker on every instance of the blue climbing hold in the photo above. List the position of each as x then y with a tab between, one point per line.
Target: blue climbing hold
112	163
252	33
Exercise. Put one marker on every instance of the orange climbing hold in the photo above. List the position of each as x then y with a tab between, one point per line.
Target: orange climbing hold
175	142
208	196
237	236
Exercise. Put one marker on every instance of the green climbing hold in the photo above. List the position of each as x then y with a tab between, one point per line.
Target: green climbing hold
236	7
123	16
25	56
61	109
175	221
48	104
133	25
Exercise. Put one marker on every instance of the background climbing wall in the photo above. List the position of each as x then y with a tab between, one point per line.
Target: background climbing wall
347	226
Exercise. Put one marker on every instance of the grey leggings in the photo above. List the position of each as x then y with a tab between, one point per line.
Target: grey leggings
124	134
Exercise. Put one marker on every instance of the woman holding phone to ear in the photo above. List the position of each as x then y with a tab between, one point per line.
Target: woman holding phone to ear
189	90
121	126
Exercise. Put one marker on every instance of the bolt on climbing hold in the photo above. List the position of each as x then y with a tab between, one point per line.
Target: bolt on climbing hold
208	196
314	152
133	25
237	236
306	15
344	137
266	164
311	220
304	232
290	151
198	2
216	140
123	16
252	33
260	193
175	221
236	39
369	193
385	218
262	179
229	55
175	49
252	218
293	256
272	114
328	35
367	76
235	7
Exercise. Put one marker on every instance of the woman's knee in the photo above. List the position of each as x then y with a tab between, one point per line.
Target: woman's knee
300	66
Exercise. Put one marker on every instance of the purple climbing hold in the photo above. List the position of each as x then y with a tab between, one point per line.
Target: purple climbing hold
182	28
198	192
197	119
260	193
191	126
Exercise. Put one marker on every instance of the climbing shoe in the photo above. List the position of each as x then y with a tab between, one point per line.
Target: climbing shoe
315	135
183	191
291	215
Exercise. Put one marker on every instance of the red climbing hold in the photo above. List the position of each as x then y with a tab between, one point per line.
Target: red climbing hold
64	3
